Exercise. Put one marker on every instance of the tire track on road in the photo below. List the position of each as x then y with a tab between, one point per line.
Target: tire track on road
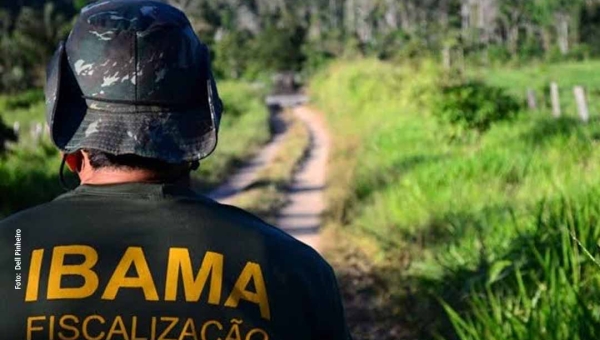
301	217
248	173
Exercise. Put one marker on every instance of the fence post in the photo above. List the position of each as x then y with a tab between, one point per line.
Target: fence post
36	132
531	100
555	100
461	60
582	106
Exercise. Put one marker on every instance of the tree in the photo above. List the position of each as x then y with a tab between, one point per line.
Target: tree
232	53
27	43
589	28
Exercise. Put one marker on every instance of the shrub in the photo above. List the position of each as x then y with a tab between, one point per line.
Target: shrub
24	100
475	106
6	135
29	177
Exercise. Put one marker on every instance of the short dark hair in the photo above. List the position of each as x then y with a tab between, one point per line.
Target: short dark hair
100	159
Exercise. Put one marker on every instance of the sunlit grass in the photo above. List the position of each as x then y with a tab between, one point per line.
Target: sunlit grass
457	208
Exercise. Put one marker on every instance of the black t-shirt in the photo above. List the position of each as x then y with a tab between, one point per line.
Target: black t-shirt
157	262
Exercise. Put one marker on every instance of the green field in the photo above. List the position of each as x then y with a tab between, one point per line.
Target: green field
29	171
538	78
500	228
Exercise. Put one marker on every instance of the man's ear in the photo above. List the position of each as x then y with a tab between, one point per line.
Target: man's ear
74	161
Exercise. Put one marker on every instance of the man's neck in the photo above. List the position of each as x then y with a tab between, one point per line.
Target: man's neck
109	176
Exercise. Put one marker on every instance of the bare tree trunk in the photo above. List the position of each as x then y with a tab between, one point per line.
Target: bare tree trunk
446	57
422	13
546	39
530	31
246	19
482	22
562	32
443	13
513	39
555	98
350	16
490	18
314	31
405	21
364	28
465	14
333	14
582	106
391	14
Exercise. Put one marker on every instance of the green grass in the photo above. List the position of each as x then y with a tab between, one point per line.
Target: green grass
458	209
29	172
546	286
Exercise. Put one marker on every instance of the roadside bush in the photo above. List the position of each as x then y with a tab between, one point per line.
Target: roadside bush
24	100
6	135
27	43
29	177
474	106
498	54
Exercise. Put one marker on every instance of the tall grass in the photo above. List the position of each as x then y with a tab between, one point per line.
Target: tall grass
458	209
546	286
29	171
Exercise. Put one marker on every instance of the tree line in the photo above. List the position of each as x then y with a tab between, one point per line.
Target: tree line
252	37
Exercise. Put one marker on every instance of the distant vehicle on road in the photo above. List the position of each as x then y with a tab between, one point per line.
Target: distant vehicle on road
286	82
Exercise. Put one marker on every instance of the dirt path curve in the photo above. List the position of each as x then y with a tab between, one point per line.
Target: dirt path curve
248	173
301	217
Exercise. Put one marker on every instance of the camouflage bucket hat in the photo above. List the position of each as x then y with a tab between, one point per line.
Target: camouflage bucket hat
133	78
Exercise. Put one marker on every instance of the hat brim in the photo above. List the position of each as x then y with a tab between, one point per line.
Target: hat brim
173	137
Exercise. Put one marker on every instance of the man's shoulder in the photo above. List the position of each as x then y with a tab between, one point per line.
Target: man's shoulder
23	216
190	208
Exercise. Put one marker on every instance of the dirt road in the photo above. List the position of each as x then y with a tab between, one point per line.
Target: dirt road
370	311
301	217
248	173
